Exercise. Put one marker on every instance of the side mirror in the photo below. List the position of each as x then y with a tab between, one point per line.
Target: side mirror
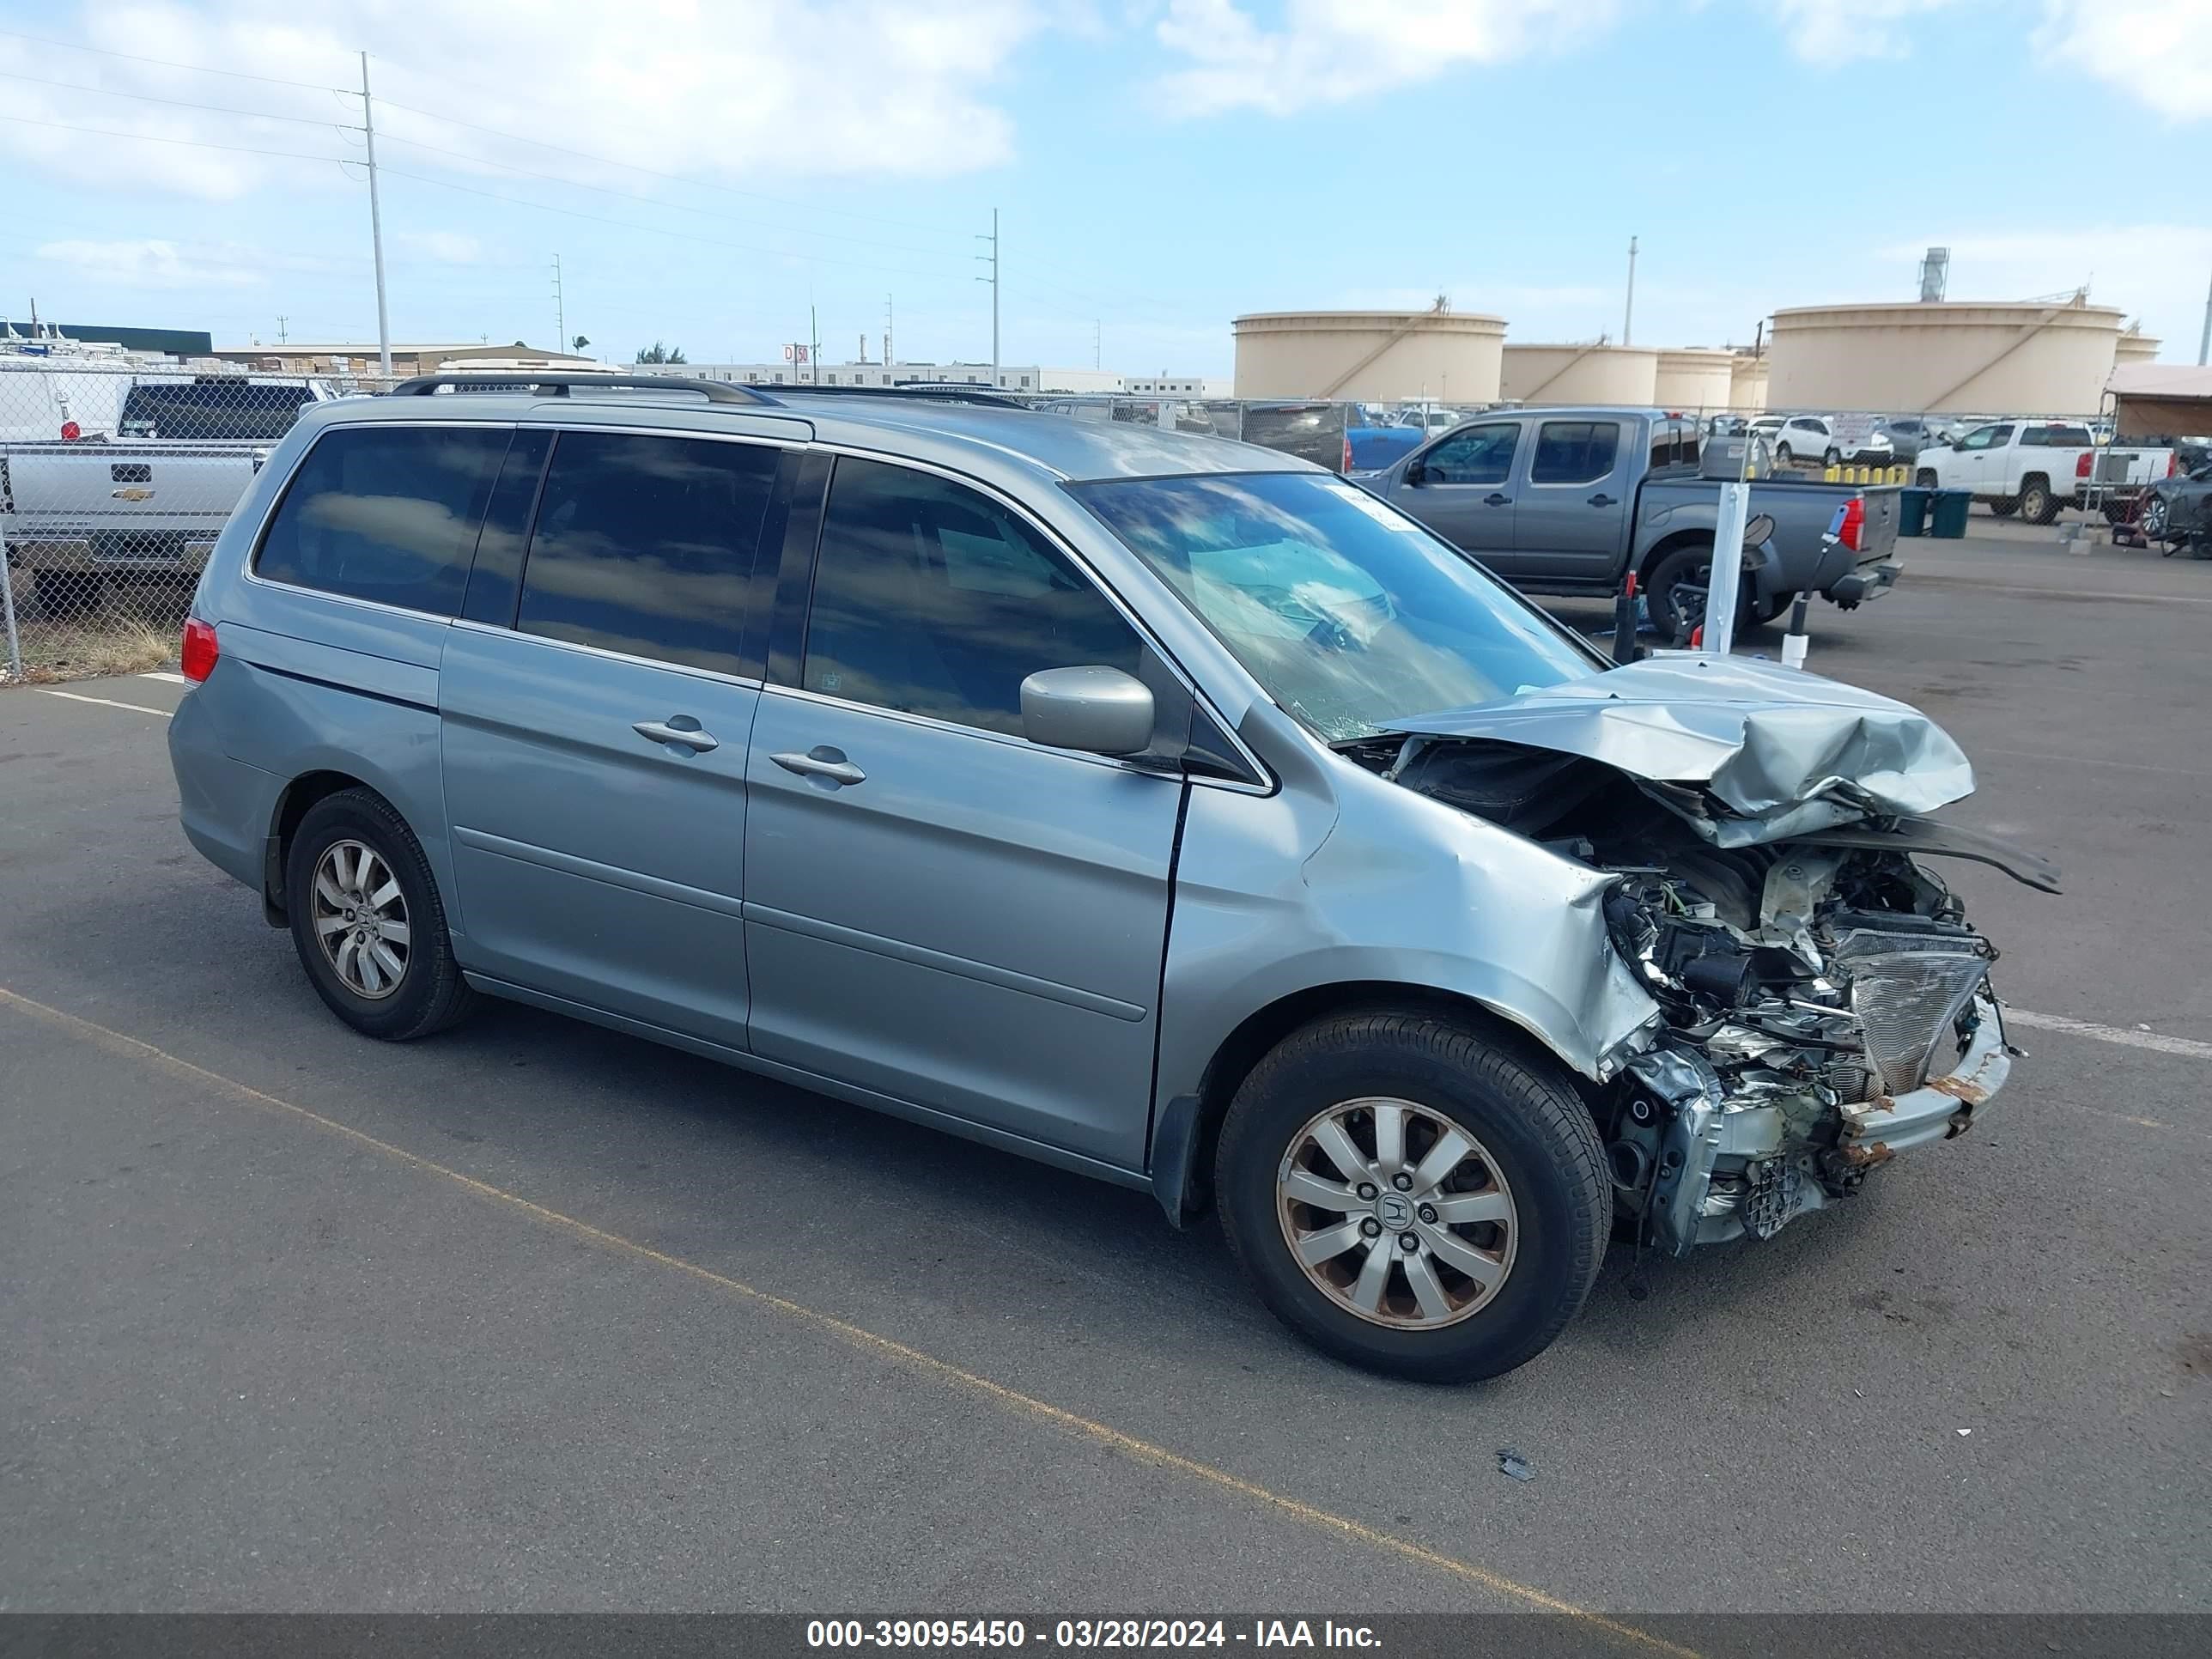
1758	530
1096	709
1415	472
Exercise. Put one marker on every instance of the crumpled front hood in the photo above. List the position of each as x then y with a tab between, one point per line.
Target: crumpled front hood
1769	753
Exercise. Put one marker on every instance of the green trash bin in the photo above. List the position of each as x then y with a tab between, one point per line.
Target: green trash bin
1947	513
1913	510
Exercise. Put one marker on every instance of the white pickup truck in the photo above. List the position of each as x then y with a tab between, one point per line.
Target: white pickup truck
2034	468
147	504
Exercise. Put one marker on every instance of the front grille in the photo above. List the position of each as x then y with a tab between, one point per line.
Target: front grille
1908	991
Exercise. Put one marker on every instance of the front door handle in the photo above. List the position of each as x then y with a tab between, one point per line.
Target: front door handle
822	761
1497	499
1601	499
678	728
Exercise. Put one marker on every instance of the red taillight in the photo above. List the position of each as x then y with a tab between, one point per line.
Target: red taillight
2172	464
1348	455
2081	465
200	651
1853	528
71	431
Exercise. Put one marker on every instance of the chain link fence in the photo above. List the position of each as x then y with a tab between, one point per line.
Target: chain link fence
116	477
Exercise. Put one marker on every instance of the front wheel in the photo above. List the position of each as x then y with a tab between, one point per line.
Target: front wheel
1782	455
1926	478
2154	519
1833	458
1414	1196
2037	504
367	919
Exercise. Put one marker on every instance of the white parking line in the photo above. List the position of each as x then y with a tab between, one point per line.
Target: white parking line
106	702
2154	1042
164	674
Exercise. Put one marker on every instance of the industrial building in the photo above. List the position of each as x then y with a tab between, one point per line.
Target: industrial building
1945	356
1589	372
1373	356
353	358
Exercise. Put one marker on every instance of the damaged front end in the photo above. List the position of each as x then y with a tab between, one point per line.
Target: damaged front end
1824	1004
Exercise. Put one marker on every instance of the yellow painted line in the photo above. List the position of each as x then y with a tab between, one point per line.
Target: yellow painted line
1129	1446
105	702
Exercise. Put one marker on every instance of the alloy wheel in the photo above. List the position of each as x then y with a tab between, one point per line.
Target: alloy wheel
361	919
1396	1213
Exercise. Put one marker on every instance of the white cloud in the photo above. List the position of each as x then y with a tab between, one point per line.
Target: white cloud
2161	51
758	92
152	262
444	247
1328	51
1842	31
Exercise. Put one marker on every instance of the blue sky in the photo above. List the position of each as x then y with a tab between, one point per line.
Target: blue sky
705	169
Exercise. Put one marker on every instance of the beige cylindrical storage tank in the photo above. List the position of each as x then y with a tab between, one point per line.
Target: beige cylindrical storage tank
1581	374
2137	347
2016	358
1694	379
1747	383
1374	356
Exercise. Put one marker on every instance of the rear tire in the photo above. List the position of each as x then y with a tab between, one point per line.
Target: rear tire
1674	593
360	898
1535	1167
2004	507
1766	611
2154	515
68	592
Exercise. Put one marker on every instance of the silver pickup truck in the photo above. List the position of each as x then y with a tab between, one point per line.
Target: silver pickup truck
1568	500
149	503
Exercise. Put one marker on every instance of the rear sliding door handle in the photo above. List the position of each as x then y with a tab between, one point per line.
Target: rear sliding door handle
670	731
1497	498
822	761
1601	499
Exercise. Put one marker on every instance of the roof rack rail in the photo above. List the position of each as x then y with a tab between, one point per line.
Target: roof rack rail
980	397
557	381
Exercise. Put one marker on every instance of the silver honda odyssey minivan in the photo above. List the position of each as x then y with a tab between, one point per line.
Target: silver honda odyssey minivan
1158	807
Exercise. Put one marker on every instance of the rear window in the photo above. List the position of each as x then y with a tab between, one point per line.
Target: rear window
646	545
2055	437
244	411
386	512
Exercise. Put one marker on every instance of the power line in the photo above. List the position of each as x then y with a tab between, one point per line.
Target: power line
190	143
194	69
673	178
657	230
179	103
647	201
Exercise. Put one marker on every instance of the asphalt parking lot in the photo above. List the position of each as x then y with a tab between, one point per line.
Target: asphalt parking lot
533	1315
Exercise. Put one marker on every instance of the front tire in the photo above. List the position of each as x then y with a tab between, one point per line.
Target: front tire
2037	504
1782	455
1833	458
368	922
1927	479
1414	1196
2154	518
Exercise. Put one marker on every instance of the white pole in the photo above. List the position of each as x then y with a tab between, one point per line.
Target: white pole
1628	316
1725	582
375	228
2204	340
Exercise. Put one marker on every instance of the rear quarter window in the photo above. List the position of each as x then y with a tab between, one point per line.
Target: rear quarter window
388	514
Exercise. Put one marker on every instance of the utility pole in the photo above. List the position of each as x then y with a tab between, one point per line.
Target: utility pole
888	359
814	345
375	228
2204	340
1628	317
280	335
559	310
1095	354
992	259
